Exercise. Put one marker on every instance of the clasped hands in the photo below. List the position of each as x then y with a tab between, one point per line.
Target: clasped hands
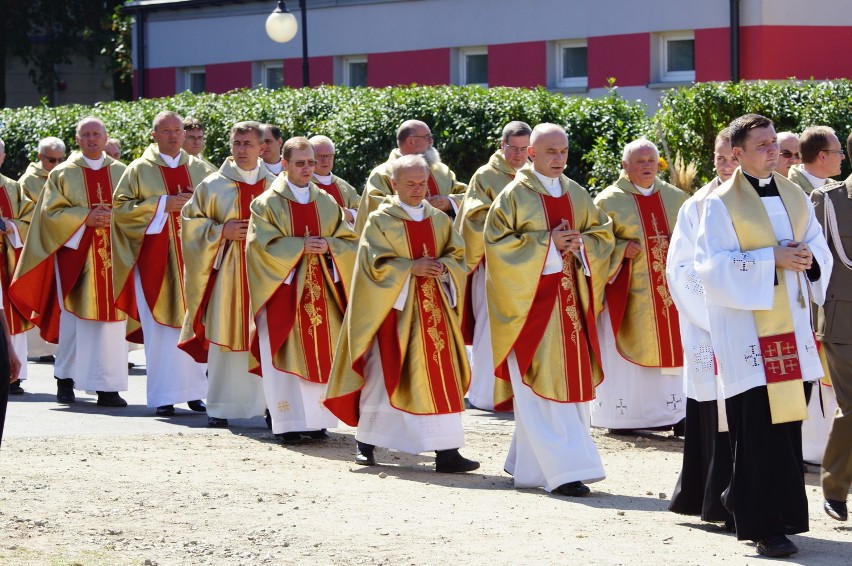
565	239
795	256
427	267
174	203
315	245
100	216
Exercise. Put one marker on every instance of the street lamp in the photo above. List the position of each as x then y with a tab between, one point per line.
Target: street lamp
281	27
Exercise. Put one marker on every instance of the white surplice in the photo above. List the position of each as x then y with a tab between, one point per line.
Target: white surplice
481	391
815	429
380	423
737	283
232	392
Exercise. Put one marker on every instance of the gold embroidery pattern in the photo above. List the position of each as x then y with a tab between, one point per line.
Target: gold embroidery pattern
103	242
570	288
283	406
659	249
310	297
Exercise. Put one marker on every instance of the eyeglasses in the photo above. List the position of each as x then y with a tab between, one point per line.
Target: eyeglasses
838	151
301	163
787	154
52	160
426	137
513	149
325	156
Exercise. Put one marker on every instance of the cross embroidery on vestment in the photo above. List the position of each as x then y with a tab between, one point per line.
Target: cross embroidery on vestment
753	355
744	262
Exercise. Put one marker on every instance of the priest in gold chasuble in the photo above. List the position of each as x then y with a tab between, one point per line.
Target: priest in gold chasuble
149	263
16	211
343	193
300	254
762	259
485	184
640	332
543	326
401	372
215	331
444	192
64	276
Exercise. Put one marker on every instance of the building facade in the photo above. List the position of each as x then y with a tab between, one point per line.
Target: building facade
572	46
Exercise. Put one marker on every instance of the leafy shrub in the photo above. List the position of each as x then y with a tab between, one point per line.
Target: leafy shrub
466	122
690	118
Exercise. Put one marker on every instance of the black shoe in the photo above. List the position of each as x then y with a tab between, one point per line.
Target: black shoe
268	418
451	462
292	437
730	526
46	359
198	406
776	546
679	428
213	422
622	431
166	411
364	454
573	489
835	509
65	391
15	388
321	434
110	399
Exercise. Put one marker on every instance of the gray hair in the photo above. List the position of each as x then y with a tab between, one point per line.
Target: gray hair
317	140
88	120
636	145
412	161
516	128
51	143
407	129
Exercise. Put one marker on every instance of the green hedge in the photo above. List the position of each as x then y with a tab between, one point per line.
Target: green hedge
466	122
690	118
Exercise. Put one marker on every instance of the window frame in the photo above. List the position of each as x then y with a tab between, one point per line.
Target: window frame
347	72
188	73
570	82
667	76
265	67
466	52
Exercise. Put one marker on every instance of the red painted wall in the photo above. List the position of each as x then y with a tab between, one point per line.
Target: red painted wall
426	67
160	82
781	52
518	64
321	71
712	54
625	57
223	77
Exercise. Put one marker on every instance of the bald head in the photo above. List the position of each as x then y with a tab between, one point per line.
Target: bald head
413	136
91	137
549	149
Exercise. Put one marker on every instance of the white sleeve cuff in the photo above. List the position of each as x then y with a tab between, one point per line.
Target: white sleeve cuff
15	237
403	294
553	263
74	241
160	216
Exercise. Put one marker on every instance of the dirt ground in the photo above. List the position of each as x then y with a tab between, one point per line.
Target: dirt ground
84	485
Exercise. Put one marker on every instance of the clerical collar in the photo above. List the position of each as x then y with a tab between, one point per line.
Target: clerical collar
94	164
301	193
817	182
274	168
324	179
551	184
764	187
249	177
645	192
415	212
171	162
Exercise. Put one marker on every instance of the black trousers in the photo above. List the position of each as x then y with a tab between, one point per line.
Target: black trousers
767	492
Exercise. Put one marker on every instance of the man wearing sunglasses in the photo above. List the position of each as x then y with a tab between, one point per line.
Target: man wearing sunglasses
51	152
822	155
344	193
444	192
788	155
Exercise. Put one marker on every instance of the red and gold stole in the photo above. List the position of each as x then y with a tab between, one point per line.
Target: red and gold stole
775	328
655	241
155	248
442	374
333	190
558	290
247	193
15	320
432	185
94	248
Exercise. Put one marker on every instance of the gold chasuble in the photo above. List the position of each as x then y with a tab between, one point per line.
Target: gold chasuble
422	351
217	295
17	209
304	294
33	180
775	328
796	176
342	192
72	190
442	181
158	256
484	186
547	320
643	314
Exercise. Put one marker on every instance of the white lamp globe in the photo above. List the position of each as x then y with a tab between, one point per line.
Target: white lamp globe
281	26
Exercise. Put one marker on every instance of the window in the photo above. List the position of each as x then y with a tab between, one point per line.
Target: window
473	66
195	80
572	64
355	71
677	57
272	75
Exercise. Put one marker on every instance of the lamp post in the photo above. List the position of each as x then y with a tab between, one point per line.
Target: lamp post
281	26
